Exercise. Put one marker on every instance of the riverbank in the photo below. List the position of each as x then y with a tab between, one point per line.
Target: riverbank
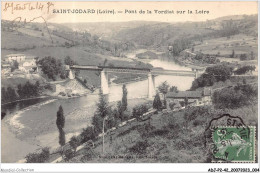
41	133
186	63
32	98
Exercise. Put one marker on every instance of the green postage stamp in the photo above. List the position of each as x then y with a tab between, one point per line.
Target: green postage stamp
233	144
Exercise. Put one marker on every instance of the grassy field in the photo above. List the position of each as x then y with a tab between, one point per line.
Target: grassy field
239	43
19	41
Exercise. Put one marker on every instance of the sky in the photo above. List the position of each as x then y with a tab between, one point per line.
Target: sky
20	10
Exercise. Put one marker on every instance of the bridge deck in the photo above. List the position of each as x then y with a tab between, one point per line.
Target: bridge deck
86	67
100	68
134	70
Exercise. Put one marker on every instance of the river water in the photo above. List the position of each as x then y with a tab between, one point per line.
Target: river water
137	89
34	120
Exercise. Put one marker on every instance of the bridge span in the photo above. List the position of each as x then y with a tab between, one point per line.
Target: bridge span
151	73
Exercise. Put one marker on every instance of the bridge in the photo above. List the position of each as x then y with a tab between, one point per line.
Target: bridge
151	73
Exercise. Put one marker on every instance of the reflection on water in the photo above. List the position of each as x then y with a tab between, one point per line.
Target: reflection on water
13	107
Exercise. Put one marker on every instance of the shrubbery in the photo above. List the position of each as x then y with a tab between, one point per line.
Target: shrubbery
41	157
206	58
68	154
8	95
212	74
157	104
139	147
74	142
87	134
23	91
180	45
191	113
244	69
139	111
234	97
28	90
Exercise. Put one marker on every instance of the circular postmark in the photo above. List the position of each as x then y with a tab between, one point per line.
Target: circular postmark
229	139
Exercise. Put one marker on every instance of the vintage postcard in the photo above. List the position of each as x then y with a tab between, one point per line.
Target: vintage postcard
129	82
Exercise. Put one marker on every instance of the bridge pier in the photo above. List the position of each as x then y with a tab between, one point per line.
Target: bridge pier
196	74
104	82
71	76
151	86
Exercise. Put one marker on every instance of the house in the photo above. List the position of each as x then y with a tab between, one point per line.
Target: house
26	63
5	66
15	57
194	98
5	69
29	61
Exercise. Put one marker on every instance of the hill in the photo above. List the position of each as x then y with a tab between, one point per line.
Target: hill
17	37
106	30
164	34
159	34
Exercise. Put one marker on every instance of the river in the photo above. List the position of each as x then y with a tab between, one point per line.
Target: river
34	121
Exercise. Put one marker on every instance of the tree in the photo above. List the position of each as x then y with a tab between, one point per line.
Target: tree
174	89
139	110
74	143
235	97
157	104
243	57
233	54
120	110
14	66
60	122
124	98
103	110
68	61
97	122
163	88
171	105
186	101
87	134
51	67
211	75
244	69
11	94
62	139
68	154
41	157
122	105
37	87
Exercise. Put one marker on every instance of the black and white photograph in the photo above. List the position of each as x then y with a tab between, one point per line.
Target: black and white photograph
129	82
